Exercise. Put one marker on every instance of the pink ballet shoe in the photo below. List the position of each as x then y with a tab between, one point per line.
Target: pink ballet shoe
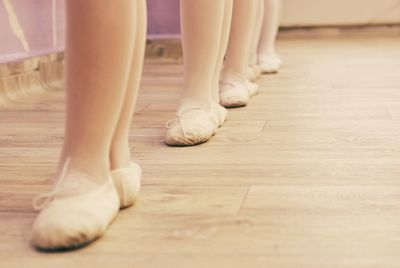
127	182
235	94
191	127
76	212
252	88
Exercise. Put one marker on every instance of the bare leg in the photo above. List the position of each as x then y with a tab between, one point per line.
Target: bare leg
201	27
220	111
120	155
254	68
223	47
237	55
235	90
201	34
97	70
100	41
267	57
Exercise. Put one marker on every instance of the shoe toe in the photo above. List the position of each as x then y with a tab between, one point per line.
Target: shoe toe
75	221
57	228
192	134
269	67
252	88
197	127
234	97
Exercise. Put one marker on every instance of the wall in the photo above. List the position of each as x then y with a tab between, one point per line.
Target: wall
340	12
295	13
163	18
42	21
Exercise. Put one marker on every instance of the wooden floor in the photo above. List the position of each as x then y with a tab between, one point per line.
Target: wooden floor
308	175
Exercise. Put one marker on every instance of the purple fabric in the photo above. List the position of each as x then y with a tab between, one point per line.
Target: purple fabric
163	16
35	17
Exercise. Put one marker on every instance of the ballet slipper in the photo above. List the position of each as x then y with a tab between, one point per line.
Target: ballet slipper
235	94
270	64
278	60
191	127
76	212
258	70
252	88
127	182
221	114
252	73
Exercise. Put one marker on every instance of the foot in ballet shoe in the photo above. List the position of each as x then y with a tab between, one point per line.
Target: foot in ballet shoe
278	60
252	88
233	94
76	212
252	74
258	70
221	114
127	182
270	64
191	127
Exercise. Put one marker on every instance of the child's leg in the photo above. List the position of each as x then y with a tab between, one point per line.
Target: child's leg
201	27
254	71
120	155
234	90
100	40
201	23
223	47
267	57
220	110
126	174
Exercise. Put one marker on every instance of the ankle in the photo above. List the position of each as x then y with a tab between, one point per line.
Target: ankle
97	168
267	55
120	156
231	77
188	102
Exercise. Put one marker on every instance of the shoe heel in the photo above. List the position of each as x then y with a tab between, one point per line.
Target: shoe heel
127	185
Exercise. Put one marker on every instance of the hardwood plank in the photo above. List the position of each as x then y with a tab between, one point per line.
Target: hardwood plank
306	176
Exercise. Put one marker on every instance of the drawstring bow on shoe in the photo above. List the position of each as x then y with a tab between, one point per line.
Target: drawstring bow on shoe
178	118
